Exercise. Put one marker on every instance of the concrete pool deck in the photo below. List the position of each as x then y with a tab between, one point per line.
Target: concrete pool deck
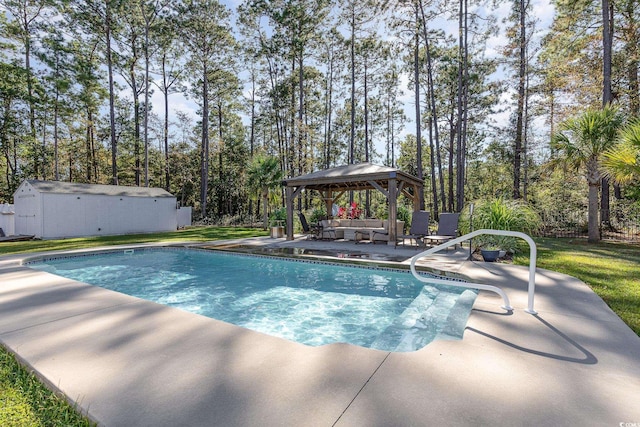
130	362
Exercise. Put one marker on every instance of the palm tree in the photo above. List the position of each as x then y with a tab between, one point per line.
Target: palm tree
581	143
622	161
264	174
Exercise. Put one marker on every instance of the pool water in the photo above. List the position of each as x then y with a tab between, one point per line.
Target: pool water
308	302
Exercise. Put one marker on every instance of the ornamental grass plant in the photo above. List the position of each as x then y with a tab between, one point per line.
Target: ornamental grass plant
500	214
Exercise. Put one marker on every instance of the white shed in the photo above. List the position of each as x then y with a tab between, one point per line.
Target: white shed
55	209
7	223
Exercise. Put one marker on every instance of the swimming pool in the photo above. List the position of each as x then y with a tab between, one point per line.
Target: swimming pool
312	303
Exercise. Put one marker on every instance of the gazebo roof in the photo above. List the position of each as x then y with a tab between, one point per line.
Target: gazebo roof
361	176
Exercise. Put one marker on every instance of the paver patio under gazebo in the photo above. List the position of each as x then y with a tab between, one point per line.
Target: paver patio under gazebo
333	183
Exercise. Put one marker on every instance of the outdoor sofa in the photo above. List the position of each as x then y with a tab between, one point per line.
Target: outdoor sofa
358	229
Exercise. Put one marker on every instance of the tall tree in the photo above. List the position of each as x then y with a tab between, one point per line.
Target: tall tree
581	143
522	67
357	15
127	62
57	55
416	77
434	133
607	95
150	12
629	32
26	14
91	94
13	95
264	174
462	102
204	29
95	19
169	62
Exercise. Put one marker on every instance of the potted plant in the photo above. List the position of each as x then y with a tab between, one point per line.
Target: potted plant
489	247
277	219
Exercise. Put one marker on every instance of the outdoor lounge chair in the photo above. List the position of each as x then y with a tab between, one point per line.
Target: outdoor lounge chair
310	232
447	229
383	235
419	228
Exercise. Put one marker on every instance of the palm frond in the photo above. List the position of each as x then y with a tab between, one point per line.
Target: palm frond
622	161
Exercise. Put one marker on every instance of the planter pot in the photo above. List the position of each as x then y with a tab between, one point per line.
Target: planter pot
277	232
490	255
502	254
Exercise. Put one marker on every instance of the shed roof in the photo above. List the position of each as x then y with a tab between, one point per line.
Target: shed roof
61	187
351	177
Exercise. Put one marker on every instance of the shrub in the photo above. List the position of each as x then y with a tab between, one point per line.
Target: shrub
317	215
501	214
278	215
403	214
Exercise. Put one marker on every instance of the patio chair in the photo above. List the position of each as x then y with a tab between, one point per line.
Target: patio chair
419	228
447	229
309	231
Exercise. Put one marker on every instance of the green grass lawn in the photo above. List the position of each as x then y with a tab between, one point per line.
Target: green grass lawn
612	270
25	402
194	234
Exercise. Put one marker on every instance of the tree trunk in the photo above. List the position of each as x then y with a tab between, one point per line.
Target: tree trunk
607	42
434	188
459	193
136	121
594	224
204	152
329	113
607	97
146	103
112	111
221	193
265	211
367	201
451	165
166	125
353	92
433	125
525	143
32	111
633	56
88	145
594	180
56	114
517	148
252	136
416	77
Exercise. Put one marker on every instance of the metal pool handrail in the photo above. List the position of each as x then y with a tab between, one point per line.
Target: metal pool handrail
533	253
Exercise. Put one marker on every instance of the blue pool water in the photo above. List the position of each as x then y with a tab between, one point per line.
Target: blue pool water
311	303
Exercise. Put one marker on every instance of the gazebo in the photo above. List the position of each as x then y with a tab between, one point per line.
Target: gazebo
333	183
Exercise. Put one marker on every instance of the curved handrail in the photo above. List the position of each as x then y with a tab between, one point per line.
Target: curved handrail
533	253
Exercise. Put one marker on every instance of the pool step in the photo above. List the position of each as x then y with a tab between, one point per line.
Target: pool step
422	321
458	316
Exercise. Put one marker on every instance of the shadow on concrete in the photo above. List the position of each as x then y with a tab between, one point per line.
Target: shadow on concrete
589	358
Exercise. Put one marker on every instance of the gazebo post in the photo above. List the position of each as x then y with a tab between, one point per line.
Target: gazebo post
392	190
289	203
